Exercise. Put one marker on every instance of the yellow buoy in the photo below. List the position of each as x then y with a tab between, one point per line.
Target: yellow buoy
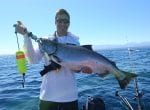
21	62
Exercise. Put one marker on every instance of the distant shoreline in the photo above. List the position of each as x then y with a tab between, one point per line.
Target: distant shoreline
108	47
125	46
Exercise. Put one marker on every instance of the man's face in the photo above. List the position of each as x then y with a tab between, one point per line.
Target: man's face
62	23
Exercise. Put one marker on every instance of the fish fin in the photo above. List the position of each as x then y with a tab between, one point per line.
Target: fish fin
55	59
104	74
56	64
128	77
113	63
89	47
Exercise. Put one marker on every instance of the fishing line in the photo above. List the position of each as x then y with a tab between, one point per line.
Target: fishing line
138	94
17	40
21	60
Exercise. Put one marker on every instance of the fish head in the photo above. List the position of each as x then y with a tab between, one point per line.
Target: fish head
48	46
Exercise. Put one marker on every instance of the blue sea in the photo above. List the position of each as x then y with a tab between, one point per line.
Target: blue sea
14	97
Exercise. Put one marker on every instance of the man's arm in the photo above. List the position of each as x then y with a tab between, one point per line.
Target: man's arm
34	56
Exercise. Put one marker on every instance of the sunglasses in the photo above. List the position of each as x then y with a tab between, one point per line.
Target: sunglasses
60	21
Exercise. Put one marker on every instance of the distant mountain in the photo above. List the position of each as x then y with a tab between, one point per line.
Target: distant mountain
142	44
128	45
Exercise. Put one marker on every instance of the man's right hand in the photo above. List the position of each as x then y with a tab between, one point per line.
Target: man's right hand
20	28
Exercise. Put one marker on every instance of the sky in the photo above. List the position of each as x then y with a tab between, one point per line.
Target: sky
95	22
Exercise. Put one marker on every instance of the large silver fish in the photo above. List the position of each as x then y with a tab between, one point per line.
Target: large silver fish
78	57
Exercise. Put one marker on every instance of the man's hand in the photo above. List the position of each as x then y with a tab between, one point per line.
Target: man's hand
20	28
87	70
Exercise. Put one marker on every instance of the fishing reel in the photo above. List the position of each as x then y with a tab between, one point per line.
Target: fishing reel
139	95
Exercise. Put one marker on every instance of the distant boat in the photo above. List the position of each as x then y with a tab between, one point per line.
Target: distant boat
131	49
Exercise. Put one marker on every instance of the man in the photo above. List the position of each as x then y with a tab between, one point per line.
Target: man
58	88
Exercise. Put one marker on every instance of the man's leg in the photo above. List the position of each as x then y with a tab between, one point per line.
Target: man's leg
47	105
69	106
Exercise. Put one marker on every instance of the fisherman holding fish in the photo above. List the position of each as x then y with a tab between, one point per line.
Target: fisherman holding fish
58	88
63	57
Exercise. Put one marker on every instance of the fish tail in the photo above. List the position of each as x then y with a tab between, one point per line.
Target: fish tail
128	77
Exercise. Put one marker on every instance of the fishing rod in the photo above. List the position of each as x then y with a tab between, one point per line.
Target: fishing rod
124	101
138	94
21	60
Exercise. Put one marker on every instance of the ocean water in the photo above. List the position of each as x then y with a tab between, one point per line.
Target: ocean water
14	97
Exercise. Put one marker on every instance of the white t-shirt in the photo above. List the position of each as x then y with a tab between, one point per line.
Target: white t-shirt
57	86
